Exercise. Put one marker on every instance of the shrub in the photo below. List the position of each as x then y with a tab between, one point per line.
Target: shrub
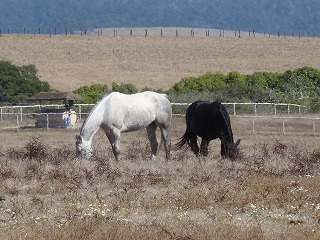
93	93
126	88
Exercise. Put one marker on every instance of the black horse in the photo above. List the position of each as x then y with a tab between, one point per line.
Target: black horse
208	121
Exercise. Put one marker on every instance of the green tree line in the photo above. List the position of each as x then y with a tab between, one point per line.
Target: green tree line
300	86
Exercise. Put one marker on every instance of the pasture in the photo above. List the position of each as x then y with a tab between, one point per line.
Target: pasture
271	191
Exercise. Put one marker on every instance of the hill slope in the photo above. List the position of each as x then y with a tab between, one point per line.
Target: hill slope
68	62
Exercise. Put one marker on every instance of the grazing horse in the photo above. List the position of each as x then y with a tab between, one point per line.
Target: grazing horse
208	121
118	112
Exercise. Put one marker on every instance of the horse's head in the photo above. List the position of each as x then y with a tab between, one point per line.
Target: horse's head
230	150
83	148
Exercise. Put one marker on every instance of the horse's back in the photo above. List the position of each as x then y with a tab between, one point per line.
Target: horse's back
206	119
136	111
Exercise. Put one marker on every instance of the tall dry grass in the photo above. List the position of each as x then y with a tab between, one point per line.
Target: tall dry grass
270	191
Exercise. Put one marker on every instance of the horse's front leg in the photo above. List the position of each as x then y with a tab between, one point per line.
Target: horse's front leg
114	139
204	147
151	131
224	149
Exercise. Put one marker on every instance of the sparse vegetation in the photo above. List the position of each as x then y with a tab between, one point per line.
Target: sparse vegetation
269	192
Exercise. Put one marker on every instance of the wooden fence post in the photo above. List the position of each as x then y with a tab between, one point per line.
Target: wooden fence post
21	112
253	129
314	127
47	121
79	112
18	126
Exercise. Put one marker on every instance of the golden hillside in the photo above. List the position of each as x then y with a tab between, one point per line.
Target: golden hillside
68	62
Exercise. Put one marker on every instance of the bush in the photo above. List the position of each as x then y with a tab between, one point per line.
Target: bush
93	93
300	86
126	88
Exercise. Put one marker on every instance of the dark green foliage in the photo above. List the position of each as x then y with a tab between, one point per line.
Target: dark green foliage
126	88
19	83
205	83
300	86
159	90
93	93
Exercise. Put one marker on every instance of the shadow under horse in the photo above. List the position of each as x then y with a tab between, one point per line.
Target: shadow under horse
208	121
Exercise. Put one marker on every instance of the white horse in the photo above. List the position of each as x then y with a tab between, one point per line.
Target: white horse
118	112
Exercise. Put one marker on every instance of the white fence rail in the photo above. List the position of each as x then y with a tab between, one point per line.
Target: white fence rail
248	118
233	108
299	125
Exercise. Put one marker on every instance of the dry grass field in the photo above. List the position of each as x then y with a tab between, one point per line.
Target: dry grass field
68	62
270	191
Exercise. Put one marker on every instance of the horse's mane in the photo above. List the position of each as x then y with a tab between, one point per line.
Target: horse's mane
93	109
226	118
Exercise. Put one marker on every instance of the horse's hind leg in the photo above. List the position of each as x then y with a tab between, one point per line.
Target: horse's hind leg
151	131
204	147
166	139
193	143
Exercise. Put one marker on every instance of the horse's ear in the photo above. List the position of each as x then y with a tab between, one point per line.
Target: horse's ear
237	143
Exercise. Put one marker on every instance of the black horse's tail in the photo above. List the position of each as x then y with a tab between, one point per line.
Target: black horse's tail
183	140
227	123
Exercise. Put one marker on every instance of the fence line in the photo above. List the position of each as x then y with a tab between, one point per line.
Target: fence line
162	32
284	122
289	106
19	113
10	110
282	127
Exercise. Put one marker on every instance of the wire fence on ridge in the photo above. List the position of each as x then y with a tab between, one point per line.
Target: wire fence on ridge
159	32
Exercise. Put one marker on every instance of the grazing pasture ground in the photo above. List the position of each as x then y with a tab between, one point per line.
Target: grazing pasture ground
270	191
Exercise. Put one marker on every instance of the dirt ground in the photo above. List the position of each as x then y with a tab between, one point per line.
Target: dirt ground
68	62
